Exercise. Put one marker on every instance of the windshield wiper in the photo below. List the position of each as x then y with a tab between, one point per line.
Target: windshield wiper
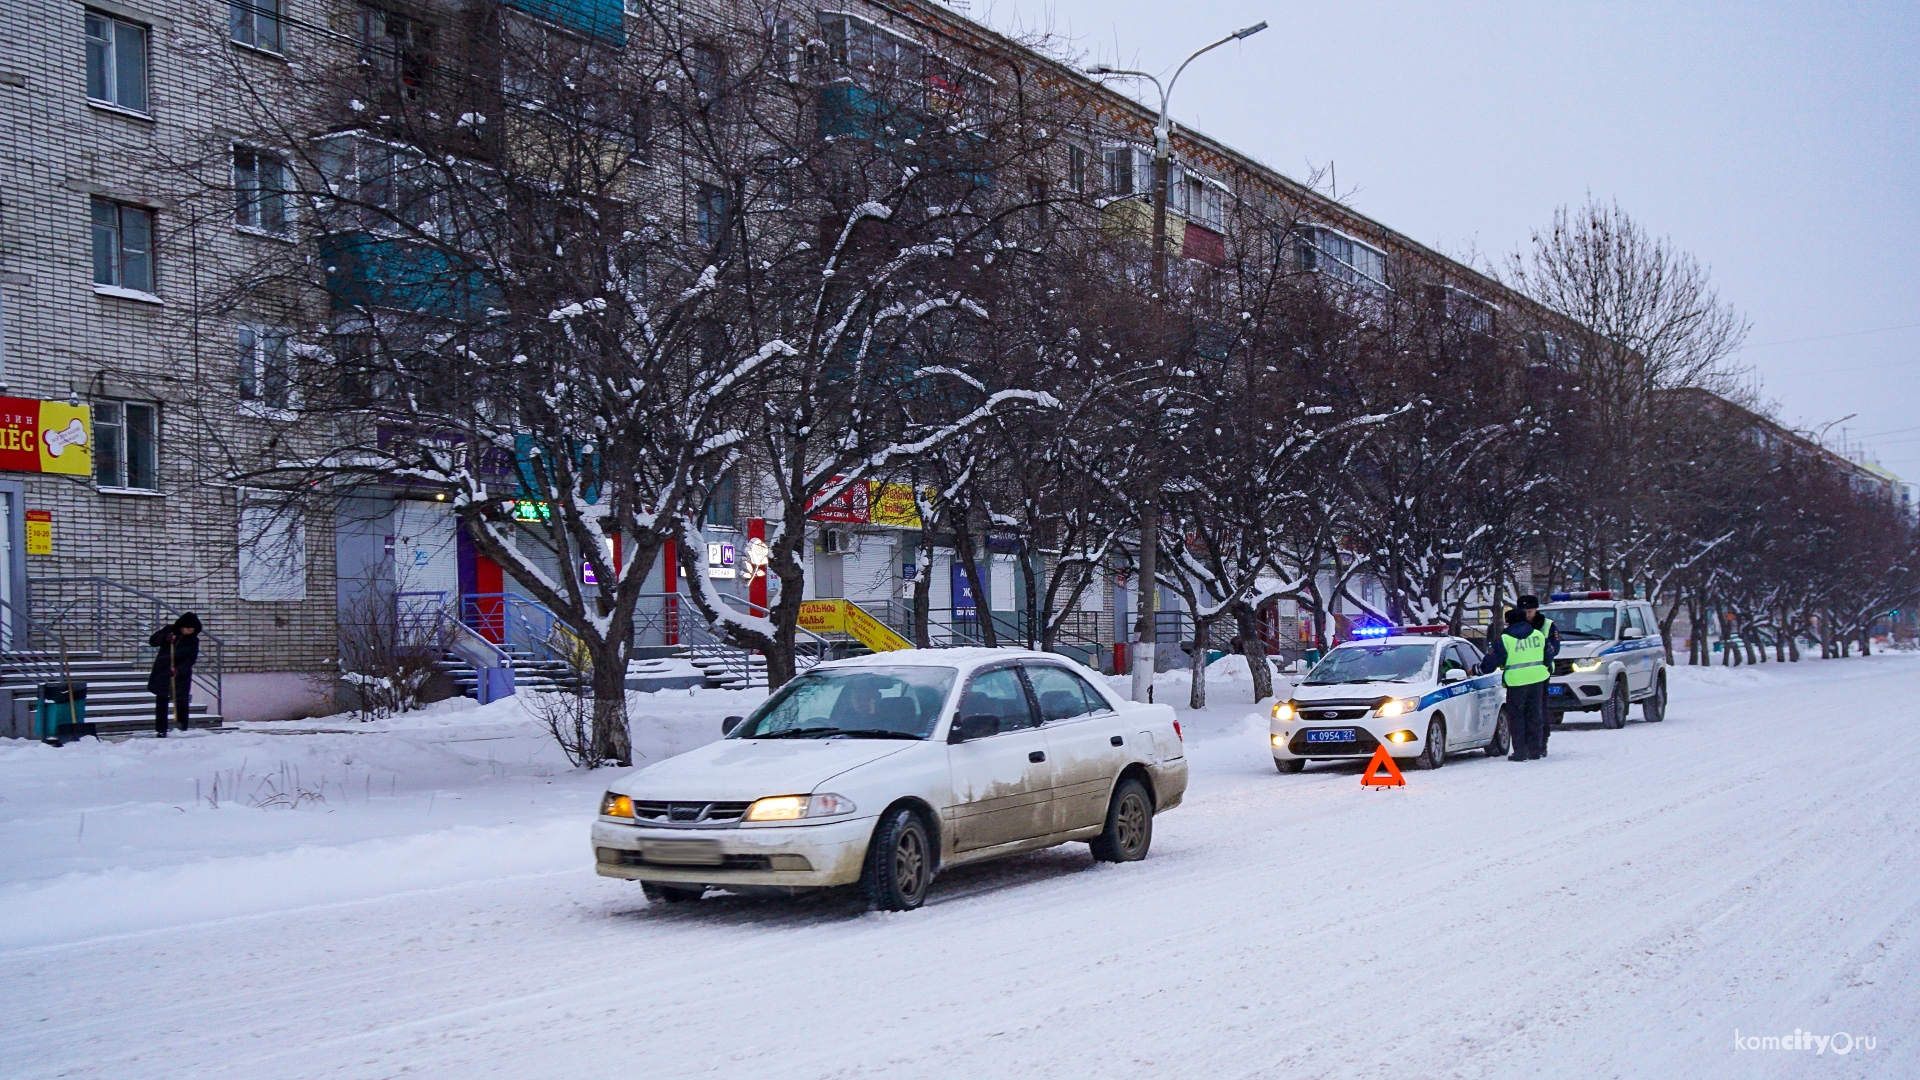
801	733
876	733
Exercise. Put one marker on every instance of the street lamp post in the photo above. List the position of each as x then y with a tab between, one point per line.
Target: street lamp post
1146	637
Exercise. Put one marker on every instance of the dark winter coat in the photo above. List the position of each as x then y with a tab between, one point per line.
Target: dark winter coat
177	652
1517	628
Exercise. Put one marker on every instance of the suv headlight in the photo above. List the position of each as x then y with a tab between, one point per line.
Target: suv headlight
1285	710
1397	707
1588	665
795	807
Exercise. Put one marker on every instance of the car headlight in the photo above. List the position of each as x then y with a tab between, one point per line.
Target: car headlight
1285	710
1588	665
612	805
795	807
1397	707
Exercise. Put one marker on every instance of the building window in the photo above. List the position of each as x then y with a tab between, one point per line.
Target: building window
116	61
126	445
719	513
1077	169
397	47
776	187
1129	170
786	55
1037	195
255	23
708	66
1196	199
259	190
1338	256
710	215
122	246
262	360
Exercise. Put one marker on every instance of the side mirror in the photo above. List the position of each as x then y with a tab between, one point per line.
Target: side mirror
977	726
731	722
1632	633
1453	675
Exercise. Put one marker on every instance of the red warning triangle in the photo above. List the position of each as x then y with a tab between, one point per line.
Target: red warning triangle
1382	763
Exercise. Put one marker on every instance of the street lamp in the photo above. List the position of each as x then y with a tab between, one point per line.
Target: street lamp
1145	635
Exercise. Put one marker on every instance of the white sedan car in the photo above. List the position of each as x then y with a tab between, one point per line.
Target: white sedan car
884	769
1412	690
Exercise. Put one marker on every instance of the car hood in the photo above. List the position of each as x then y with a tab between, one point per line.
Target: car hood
1360	691
746	769
1580	650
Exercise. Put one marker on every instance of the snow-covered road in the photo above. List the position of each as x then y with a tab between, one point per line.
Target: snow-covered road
1620	909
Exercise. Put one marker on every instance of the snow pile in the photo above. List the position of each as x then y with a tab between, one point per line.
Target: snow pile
112	836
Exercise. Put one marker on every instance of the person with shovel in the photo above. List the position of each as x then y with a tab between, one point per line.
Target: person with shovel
178	645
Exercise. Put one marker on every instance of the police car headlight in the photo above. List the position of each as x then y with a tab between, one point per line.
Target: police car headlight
1285	710
1588	665
1396	707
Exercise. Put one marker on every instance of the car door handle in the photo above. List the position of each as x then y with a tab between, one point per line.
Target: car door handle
1037	756
1117	741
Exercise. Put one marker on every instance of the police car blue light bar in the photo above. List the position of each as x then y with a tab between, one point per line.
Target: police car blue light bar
1603	594
1376	631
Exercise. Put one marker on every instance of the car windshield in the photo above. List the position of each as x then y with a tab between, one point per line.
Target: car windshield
853	703
1370	663
1595	623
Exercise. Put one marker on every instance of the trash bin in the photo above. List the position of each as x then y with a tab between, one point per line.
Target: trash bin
61	705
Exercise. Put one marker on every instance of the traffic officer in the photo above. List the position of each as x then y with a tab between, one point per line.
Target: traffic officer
1523	654
1529	606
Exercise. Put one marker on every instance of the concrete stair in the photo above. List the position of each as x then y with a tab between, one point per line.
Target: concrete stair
529	673
118	702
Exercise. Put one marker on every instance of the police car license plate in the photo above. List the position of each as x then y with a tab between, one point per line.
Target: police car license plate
1556	689
683	852
1344	734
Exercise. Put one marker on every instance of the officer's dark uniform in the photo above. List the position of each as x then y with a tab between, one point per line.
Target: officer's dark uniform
1524	656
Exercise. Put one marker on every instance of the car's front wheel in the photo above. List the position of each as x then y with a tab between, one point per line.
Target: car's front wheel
1654	709
1502	743
1434	754
657	893
1289	765
1613	714
1129	831
899	862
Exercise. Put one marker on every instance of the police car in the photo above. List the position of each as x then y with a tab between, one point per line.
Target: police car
1412	689
1611	654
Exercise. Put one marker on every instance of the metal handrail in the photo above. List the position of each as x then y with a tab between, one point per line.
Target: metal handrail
49	662
92	608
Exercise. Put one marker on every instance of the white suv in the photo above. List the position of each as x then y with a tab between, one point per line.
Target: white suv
1611	654
884	769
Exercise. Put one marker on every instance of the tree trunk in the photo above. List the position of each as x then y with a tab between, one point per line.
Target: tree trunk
612	743
1198	664
923	593
1254	647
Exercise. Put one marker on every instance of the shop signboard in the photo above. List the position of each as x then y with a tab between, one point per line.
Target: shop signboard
45	437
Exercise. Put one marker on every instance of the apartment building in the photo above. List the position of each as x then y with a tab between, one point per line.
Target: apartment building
137	388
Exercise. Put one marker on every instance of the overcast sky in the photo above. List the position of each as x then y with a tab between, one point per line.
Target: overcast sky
1776	142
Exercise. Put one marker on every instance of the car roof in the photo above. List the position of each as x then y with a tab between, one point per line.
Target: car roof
963	658
1401	639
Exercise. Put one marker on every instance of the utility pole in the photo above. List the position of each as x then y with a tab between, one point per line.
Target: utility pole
1146	636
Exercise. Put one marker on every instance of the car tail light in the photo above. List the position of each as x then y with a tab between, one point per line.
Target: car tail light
1176	731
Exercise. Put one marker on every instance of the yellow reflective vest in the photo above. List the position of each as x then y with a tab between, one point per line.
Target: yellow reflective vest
1526	660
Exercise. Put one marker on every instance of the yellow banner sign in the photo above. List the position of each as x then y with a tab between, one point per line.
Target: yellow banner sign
892	504
846	617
